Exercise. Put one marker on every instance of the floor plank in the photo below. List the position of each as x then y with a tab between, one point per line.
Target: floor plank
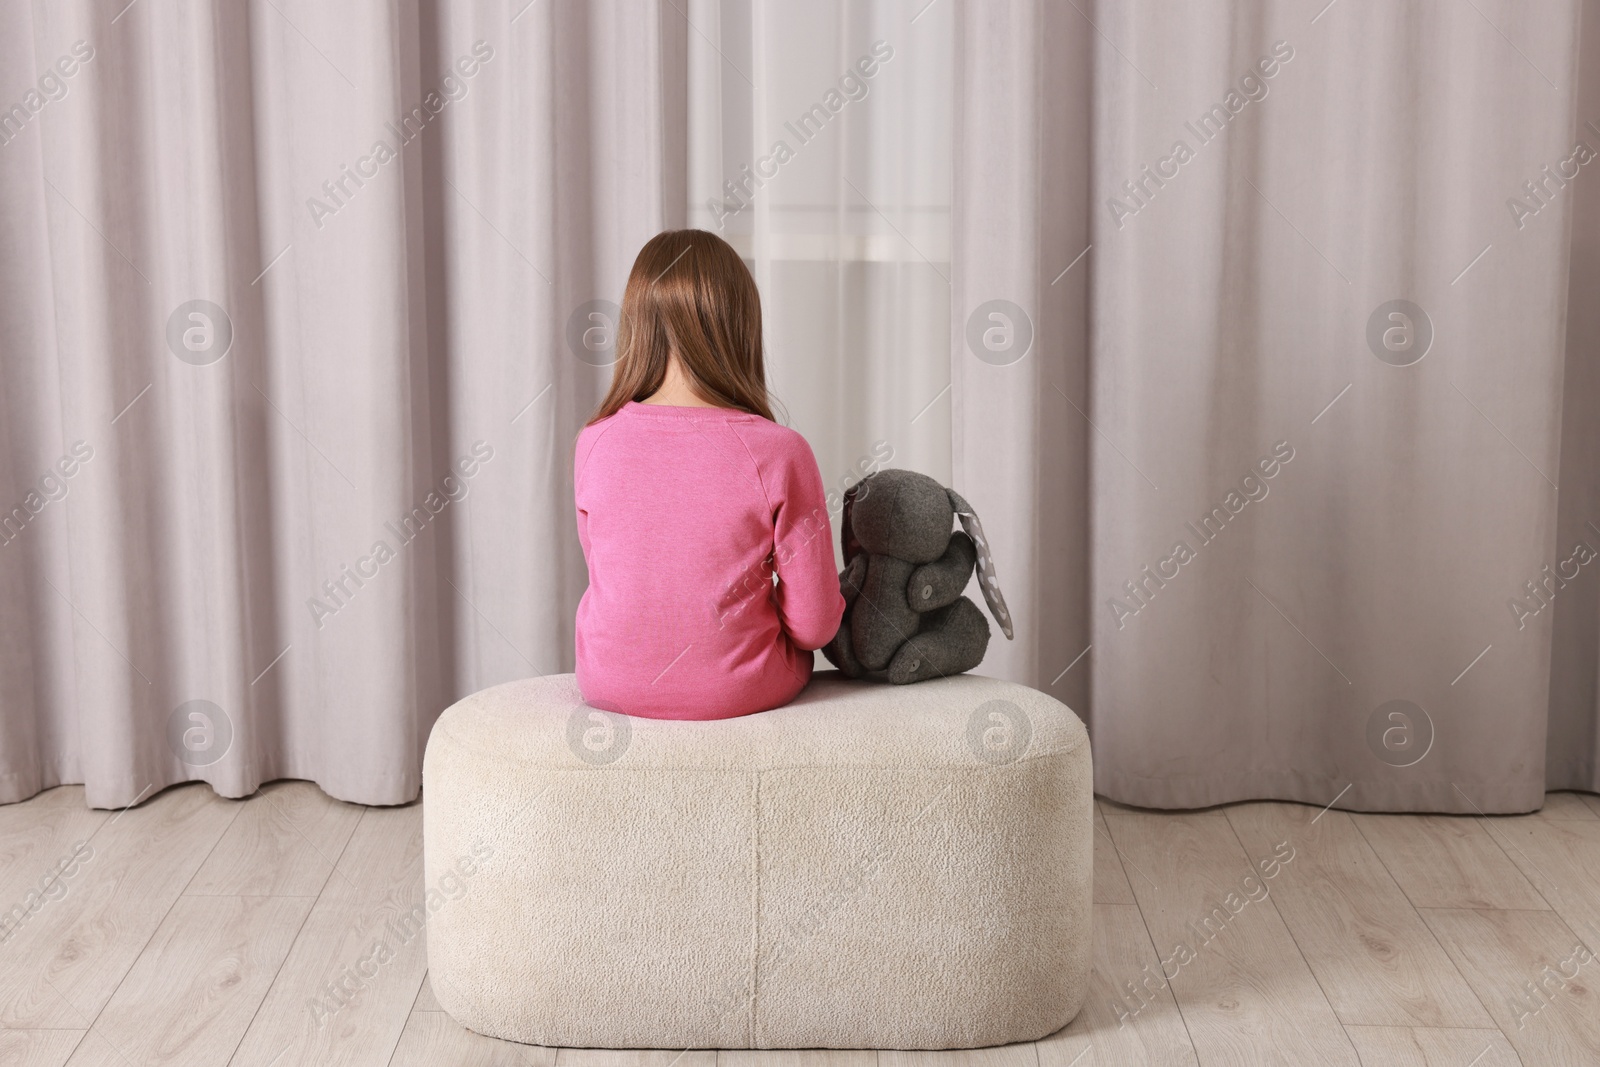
1562	860
36	836
1447	861
1591	801
426	1001
43	850
1374	957
65	963
432	1038
1246	986
96	1049
284	843
350	931
635	1057
1499	952
805	1057
194	989
1125	1028
1000	1056
37	1048
1566	807
1407	1046
1110	881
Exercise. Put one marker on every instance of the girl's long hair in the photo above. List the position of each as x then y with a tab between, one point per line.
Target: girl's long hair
690	293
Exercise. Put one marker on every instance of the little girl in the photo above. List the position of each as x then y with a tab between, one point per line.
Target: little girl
690	498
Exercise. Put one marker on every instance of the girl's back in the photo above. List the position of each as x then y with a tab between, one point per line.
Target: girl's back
683	514
689	502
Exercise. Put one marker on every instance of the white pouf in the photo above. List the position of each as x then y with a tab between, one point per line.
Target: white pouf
872	866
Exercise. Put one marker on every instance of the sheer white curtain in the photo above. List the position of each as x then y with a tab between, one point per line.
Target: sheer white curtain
819	146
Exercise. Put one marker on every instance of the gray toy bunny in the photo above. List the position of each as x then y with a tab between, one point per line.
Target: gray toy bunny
905	618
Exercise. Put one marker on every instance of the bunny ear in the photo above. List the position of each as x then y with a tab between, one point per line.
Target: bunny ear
986	578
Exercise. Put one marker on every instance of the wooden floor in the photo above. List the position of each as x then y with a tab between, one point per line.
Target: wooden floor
196	930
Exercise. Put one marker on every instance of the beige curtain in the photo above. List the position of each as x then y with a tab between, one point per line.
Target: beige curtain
304	305
1285	438
1301	462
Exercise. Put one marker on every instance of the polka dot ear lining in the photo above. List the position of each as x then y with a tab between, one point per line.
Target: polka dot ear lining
987	581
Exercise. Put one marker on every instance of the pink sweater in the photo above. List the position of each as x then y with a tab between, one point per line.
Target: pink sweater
684	514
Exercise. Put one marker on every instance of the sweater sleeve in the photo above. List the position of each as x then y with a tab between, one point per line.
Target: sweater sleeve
807	594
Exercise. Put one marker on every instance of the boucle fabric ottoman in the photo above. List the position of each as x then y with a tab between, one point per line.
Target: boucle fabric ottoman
872	866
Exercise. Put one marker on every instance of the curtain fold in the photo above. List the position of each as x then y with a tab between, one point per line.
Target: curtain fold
1572	745
1019	355
305	307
